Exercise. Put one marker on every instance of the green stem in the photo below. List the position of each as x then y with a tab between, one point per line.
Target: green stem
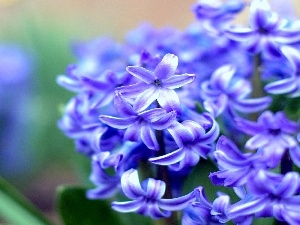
257	86
163	174
256	78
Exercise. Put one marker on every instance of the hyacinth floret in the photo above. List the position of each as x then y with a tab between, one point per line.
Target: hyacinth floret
267	32
279	199
291	84
157	85
192	141
272	136
147	197
224	91
139	125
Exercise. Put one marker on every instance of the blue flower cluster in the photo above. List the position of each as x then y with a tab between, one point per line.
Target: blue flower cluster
152	107
16	70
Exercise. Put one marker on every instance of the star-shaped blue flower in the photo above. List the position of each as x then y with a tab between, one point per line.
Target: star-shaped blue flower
157	85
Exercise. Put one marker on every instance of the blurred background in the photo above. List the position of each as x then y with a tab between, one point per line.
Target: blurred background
35	38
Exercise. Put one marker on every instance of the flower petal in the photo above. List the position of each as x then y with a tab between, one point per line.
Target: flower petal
155	188
133	132
259	13
247	208
288	186
177	81
295	155
271	48
221	78
252	105
129	206
165	121
69	83
141	73
146	98
287	36
176	203
257	141
194	128
169	158
119	123
293	55
179	133
211	135
201	197
169	100
152	114
149	138
166	67
248	127
94	84
123	107
131	185
155	212
240	34
132	91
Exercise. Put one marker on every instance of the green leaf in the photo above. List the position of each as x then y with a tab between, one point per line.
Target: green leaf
16	209
75	208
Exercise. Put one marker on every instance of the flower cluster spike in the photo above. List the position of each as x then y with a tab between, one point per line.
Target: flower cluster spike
150	108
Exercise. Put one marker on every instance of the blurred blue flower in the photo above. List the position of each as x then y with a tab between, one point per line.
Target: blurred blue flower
267	31
16	70
291	84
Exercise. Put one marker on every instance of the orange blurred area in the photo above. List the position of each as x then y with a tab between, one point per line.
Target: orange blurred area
87	18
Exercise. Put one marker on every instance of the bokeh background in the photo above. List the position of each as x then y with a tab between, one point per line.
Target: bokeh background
36	157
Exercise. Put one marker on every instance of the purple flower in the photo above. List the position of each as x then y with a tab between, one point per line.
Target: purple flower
139	125
157	85
193	143
284	8
80	123
266	33
236	168
101	89
16	101
107	185
215	14
291	84
16	63
272	135
120	159
147	197
274	195
203	212
224	90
